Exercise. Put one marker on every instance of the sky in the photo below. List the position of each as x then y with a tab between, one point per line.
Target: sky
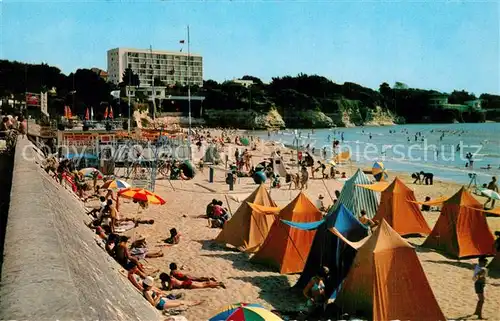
441	45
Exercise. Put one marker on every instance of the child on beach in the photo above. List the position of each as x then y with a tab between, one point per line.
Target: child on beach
479	284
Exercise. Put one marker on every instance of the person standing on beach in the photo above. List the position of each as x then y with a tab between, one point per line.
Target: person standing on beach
304	178
479	285
493	187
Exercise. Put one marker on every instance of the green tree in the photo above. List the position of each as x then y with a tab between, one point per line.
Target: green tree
460	97
129	78
400	85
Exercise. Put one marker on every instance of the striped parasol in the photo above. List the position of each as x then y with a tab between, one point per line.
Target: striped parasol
90	172
115	184
141	195
379	172
245	312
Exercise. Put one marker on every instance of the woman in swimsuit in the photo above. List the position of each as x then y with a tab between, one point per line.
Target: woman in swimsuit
171	283
159	302
315	290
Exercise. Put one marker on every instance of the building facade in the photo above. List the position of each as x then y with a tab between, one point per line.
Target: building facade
168	66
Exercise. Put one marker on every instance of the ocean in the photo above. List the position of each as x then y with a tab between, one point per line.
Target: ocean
437	148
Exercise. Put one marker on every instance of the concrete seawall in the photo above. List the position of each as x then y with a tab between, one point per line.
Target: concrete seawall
53	268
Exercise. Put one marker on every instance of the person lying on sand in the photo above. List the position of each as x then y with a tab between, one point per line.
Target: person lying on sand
174	272
160	302
137	281
140	251
171	283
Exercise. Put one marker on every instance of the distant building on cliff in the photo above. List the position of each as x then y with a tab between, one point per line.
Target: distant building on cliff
439	100
169	67
243	82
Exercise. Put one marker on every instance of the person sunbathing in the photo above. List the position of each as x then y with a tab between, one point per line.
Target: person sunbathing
140	251
157	300
174	272
171	283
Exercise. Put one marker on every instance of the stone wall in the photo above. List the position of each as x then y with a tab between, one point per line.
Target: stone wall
53	268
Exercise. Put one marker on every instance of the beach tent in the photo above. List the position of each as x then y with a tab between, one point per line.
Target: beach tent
247	230
356	198
327	249
398	208
495	263
287	248
212	155
278	166
462	229
387	282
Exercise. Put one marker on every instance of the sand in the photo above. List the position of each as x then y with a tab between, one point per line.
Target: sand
246	282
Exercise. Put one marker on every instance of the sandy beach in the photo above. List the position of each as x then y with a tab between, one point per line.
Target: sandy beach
451	280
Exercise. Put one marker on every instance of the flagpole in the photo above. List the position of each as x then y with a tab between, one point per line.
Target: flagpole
128	96
153	82
189	91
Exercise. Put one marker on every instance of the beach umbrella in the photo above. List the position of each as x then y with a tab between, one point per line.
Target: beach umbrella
244	141
90	172
491	194
141	195
379	172
245	312
115	184
259	177
187	169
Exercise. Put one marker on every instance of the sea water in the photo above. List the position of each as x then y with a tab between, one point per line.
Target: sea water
437	148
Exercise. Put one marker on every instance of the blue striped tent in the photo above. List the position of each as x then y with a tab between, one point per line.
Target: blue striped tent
357	198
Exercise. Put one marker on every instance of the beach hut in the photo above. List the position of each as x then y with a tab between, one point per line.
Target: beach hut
462	229
357	198
287	248
387	282
327	249
247	230
212	155
399	208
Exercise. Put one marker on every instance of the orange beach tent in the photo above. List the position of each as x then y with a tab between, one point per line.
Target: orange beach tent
462	229
397	207
247	229
387	282
287	248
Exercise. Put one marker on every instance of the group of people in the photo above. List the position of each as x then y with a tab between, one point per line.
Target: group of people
216	214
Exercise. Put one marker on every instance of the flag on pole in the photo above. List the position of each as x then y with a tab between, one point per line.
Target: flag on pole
111	112
181	41
106	113
87	114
